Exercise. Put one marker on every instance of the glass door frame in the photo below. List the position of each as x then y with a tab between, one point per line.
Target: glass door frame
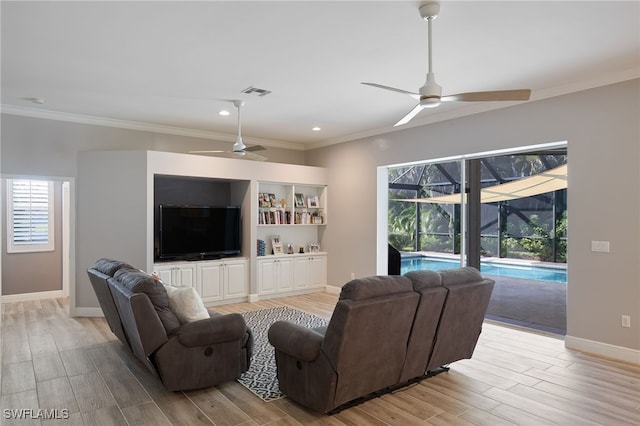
382	199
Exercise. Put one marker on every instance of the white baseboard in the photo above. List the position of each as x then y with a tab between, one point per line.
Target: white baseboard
606	350
332	289
253	298
88	312
24	297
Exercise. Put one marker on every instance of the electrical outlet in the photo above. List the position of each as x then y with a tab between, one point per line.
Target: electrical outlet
353	275
626	321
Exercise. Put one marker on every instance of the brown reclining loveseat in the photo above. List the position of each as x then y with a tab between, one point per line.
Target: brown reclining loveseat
185	356
385	332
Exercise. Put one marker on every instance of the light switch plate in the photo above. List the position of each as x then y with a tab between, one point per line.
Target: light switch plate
600	246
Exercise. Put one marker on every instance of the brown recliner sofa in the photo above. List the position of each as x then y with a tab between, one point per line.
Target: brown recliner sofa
185	356
460	324
385	332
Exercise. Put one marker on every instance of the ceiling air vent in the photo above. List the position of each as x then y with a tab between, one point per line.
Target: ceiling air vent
260	92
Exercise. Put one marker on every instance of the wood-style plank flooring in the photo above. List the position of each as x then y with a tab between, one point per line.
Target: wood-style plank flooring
52	361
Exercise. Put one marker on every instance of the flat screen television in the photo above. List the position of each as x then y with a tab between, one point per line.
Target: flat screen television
198	232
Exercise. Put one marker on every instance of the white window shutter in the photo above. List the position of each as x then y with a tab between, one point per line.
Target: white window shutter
30	215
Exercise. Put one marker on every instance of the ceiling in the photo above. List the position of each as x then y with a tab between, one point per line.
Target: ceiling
171	66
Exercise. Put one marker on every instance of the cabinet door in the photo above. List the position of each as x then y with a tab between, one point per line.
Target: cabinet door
285	274
210	281
235	283
301	272
165	273
317	271
266	276
186	275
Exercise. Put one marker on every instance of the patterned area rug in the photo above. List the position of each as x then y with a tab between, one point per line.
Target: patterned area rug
261	378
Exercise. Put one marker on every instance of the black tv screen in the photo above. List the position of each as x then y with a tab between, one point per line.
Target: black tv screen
199	232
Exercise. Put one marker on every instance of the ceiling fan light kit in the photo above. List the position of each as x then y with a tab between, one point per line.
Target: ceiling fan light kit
430	95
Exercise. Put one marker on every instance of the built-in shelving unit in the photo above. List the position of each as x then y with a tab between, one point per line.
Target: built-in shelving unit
297	214
286	204
146	179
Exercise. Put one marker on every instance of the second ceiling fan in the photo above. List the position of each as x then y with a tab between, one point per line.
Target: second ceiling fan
239	149
430	95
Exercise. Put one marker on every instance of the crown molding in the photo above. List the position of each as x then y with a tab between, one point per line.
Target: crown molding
145	127
538	94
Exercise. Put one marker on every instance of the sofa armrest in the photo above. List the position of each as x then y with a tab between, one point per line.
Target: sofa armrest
221	328
293	339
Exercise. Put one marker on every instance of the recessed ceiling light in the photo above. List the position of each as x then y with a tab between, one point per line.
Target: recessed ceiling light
224	113
316	129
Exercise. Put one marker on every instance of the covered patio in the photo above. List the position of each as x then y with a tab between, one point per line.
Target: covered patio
540	305
517	205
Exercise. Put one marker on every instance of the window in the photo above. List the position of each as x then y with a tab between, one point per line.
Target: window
29	215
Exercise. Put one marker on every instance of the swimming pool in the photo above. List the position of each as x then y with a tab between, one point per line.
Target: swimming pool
533	272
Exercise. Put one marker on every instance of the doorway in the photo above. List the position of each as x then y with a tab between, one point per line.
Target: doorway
32	275
503	212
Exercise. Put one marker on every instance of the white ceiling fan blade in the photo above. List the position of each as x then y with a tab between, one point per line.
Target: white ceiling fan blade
499	95
409	116
255	157
415	96
215	151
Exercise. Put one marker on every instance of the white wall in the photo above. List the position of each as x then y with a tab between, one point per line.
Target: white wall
603	133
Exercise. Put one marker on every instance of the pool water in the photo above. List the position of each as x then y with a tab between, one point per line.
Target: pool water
540	273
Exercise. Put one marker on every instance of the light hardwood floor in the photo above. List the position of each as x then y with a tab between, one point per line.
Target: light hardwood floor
50	360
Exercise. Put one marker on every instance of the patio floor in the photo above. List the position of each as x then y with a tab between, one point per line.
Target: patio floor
540	305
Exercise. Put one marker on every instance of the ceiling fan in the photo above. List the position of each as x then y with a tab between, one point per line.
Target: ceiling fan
430	95
239	149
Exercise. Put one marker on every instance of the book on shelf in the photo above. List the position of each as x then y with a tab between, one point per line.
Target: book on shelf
274	217
261	248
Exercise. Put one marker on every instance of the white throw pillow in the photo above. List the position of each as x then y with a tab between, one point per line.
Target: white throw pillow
186	303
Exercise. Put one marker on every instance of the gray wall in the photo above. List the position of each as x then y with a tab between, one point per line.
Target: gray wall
603	134
43	147
38	271
34	146
117	180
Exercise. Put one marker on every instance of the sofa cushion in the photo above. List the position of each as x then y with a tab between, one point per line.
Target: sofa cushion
381	285
186	303
110	266
424	279
140	282
460	275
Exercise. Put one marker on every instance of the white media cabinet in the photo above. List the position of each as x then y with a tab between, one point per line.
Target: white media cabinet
289	274
216	281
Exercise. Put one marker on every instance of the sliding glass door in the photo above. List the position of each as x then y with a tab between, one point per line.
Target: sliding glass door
426	214
455	211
